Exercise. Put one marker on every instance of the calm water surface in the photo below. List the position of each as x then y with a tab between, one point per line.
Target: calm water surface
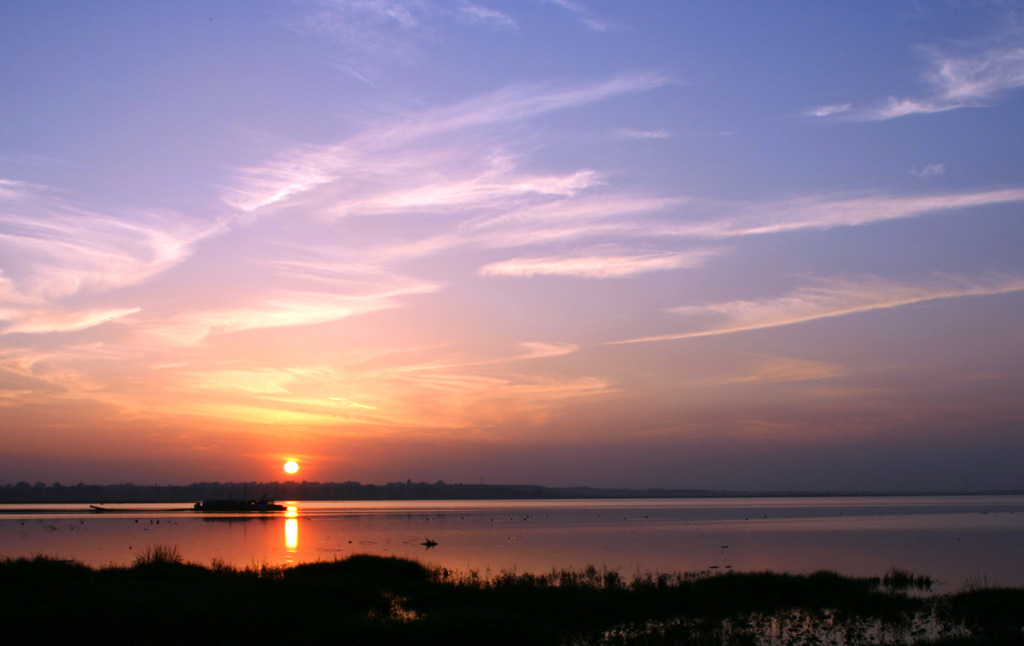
952	538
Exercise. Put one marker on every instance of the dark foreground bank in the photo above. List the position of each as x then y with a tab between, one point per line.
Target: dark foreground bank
376	600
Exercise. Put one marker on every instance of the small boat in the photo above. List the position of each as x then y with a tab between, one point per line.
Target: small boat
133	510
232	505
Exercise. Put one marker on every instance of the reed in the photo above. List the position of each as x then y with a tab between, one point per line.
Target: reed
159	554
899	580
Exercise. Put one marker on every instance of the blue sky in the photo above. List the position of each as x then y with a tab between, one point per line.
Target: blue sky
714	245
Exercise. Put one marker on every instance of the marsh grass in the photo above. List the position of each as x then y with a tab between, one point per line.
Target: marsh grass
897	579
157	555
975	583
261	570
385	600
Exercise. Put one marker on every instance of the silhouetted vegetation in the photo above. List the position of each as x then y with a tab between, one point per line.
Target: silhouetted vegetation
159	555
378	600
23	492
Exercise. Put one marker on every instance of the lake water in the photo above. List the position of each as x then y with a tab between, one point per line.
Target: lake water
954	539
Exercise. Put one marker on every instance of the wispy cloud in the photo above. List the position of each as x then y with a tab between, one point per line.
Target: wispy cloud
477	191
368	33
62	374
376	156
297	288
537	350
393	181
516	102
280	309
929	171
601	265
489	202
485	198
583	13
11	189
631	133
825	213
41	322
774	370
370	36
625	216
450	364
828	300
53	250
344	401
436	394
966	82
598	216
292	172
829	110
460	400
474	13
263	381
583	209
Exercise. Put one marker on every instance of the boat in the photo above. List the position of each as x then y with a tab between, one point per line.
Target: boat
244	505
133	510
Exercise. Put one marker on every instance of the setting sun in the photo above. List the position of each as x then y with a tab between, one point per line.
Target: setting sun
291	466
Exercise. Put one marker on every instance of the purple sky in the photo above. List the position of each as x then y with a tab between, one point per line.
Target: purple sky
564	242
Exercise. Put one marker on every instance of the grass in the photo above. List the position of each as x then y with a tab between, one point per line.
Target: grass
378	600
899	580
158	556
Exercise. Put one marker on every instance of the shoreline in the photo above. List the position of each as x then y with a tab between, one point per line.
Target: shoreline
87	504
125	493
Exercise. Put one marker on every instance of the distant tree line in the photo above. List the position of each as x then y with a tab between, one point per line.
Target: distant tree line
23	492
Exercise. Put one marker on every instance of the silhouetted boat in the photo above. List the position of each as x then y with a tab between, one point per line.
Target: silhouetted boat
132	510
232	505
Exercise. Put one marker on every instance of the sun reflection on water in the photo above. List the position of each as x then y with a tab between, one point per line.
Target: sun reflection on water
291	530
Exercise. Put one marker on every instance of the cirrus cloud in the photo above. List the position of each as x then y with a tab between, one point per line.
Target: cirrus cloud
601	265
955	82
828	299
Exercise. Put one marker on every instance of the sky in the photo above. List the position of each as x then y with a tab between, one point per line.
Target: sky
722	245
